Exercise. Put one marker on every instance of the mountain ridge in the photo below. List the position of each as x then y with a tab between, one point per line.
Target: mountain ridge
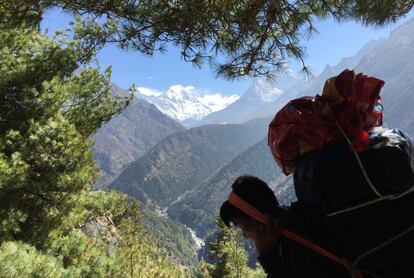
183	103
259	95
129	135
197	208
183	160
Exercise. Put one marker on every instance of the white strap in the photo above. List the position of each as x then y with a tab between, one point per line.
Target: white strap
386	197
374	189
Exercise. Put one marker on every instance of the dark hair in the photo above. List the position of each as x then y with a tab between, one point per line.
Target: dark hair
254	191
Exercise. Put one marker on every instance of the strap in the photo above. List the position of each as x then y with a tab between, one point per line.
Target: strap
391	197
257	215
364	172
381	197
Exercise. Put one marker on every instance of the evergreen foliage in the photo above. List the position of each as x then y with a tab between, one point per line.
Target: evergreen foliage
229	256
235	37
172	236
52	101
46	117
29	262
137	254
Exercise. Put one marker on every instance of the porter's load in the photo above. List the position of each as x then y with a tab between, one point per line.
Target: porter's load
355	174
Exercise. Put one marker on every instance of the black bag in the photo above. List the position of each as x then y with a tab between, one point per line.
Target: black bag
332	180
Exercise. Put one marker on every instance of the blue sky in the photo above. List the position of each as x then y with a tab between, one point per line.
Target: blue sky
334	41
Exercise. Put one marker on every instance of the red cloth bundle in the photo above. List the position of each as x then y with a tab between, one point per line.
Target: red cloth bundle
349	100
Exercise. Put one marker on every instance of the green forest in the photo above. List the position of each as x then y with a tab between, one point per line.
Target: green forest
54	97
52	100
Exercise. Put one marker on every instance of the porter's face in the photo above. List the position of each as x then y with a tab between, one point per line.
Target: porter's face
248	226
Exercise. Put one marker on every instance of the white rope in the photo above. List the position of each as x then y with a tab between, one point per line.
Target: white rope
379	246
386	197
355	274
381	198
374	189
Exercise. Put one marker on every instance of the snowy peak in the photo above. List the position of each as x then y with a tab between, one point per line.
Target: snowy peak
185	103
263	90
148	92
178	93
262	99
217	102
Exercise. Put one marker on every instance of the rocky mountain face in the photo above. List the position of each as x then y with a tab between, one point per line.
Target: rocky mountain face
129	135
181	161
103	228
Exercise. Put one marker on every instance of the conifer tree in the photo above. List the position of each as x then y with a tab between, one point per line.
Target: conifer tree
235	37
52	100
229	256
47	115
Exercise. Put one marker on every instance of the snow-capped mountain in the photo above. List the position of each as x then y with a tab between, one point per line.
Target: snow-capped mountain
180	103
263	91
261	95
184	103
217	102
129	135
192	108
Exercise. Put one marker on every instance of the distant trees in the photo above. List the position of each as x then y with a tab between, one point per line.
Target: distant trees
229	256
236	37
138	256
172	236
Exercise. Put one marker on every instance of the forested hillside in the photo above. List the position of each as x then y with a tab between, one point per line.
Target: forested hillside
173	237
181	161
196	209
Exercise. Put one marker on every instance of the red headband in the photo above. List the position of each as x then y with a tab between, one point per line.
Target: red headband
256	214
246	208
